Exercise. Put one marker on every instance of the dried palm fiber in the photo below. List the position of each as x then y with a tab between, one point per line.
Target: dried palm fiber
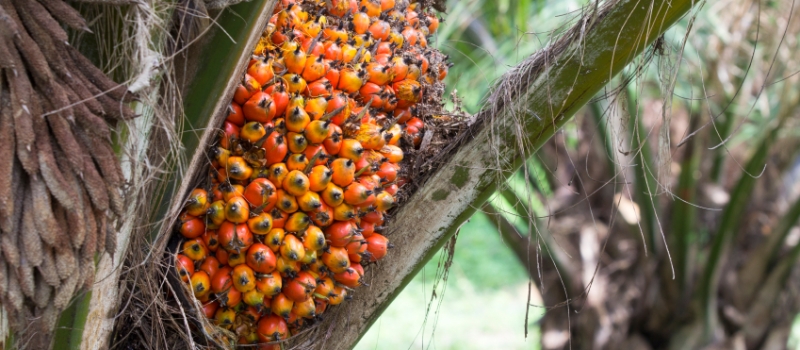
60	182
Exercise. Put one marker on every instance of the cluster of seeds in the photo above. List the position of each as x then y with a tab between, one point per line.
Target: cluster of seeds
307	162
60	179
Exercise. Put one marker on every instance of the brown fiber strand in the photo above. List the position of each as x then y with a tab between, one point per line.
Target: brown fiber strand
88	268
3	278
111	240
82	90
34	58
76	223
5	55
115	200
43	292
65	14
43	18
102	224
8	241
89	246
14	295
95	185
31	243
53	176
87	120
66	264
108	162
64	292
48	268
46	223
36	29
25	277
6	159
96	76
23	122
62	132
8	27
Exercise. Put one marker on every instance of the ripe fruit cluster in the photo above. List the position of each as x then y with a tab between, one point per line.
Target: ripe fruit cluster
307	164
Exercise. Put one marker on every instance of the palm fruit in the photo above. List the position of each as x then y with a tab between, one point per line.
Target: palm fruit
309	160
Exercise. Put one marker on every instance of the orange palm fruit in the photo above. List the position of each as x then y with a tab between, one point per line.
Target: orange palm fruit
253	298
210	265
246	89
297	162
317	152
277	172
259	108
278	218
343	171
261	71
230	191
392	153
297	222
309	202
216	212
225	317
185	267
324	216
274	238
235	114
260	224
315	107
317	131
270	284
244	280
305	309
337	295
340	233
236	258
360	22
220	155
201	284
351	149
272	328
261	192
344	212
294	57
334	141
295	84
320	88
296	142
332	195
309	258
384	201
319	178
324	287
296	183
300	288
229	297
336	259
237	210
349	277
357	244
198	203
339	108
315	68
192	227
351	80
238	169
195	249
377	246
388	171
292	248
288	267
356	194
297	119
286	202
234	237
252	131
260	258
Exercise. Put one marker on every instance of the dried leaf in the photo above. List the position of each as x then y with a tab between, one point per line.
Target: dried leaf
31	243
66	14
46	223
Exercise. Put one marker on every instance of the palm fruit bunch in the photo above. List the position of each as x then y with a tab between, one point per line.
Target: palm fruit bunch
60	179
306	164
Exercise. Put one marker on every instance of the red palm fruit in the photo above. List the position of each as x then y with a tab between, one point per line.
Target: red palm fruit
261	71
210	308
324	216
336	259
359	268
292	248
332	51
380	30
286	203
320	88
235	114
259	108
349	277
210	265
230	297
315	68
367	228
276	173
195	249
210	240
384	201
237	168
340	233
399	68
309	202
260	192
333	143
198	202
320	306
272	328
296	183
281	305
300	288
234	237
377	246
332	195
371	182
350	80
391	189
269	283
319	178
250	315
279	97
246	89
192	227
337	296
374	217
224	317
414	133
237	210
236	258
296	142
338	102
297	162
305	308
410	35
357	244
221	280
371	95
252	132
276	148
244	280
315	107
222	256
354	259
274	239
260	258
279	218
314	239
321	158
416	122
343	171
260	224
388	171
332	76
288	268
185	267
201	284
356	193
344	212
253	298
402	114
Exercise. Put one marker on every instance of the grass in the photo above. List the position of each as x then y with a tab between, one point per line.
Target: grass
482	306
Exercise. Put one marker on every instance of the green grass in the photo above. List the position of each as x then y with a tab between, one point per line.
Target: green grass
483	304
